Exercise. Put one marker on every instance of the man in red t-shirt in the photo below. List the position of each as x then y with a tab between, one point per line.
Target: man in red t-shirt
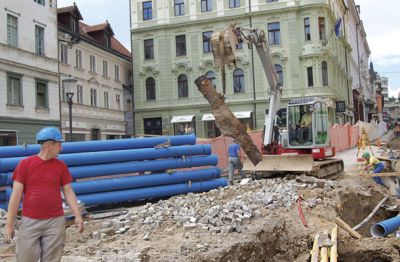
39	179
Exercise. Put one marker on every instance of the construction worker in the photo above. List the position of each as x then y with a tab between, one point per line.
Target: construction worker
373	162
305	126
39	179
234	161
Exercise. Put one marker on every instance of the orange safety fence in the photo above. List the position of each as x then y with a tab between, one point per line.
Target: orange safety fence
342	137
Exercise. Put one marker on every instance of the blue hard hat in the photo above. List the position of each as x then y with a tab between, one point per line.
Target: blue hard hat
49	133
365	155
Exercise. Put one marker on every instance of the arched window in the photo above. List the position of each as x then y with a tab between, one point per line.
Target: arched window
182	86
238	81
279	72
211	76
324	74
150	89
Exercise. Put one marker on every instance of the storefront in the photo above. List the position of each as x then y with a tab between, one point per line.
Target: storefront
211	130
184	124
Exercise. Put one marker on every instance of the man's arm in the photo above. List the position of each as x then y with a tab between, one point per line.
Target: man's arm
73	204
15	199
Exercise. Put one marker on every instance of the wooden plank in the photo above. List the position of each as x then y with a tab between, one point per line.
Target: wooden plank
315	250
347	228
380	174
334	253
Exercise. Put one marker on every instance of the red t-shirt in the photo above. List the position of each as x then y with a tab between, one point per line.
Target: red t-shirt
42	182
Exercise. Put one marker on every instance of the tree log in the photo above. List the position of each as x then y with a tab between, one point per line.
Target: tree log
226	121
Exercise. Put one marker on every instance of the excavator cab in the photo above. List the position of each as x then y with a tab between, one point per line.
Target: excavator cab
307	123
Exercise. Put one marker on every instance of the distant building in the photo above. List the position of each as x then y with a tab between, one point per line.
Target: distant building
29	93
102	101
171	46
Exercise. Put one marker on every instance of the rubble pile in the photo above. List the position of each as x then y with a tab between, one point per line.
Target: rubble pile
207	211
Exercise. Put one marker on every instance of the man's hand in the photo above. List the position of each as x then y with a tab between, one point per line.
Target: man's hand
79	223
8	233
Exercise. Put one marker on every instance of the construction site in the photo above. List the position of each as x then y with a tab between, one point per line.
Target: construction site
306	193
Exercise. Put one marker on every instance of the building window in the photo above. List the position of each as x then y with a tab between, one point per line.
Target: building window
116	71
182	86
270	1
41	94
79	94
147	10
73	25
211	76
14	89
310	78
39	40
307	32
39	1
12	30
180	42
64	53
238	81
274	33
279	72
150	89
78	58
105	68
106	100
206	5
106	40
93	97
118	100
324	73
92	64
207	48
179	7
234	3
321	26
148	49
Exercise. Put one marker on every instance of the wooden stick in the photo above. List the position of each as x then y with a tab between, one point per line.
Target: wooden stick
380	174
324	254
371	214
315	250
347	228
334	254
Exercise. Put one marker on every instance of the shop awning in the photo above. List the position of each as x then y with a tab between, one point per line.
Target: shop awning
182	119
242	114
208	117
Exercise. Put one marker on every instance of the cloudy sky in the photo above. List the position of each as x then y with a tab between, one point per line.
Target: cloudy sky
381	22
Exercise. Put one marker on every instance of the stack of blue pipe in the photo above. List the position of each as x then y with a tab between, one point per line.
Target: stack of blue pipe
112	158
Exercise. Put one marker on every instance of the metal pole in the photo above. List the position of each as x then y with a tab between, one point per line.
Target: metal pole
70	118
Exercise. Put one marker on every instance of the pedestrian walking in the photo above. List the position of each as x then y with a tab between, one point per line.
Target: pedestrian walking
39	179
234	161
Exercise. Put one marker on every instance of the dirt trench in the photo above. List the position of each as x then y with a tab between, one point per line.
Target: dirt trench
282	237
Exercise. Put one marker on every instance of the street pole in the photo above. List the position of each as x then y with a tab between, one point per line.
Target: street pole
70	95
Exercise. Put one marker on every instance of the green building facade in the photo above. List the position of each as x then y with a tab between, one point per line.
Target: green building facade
171	48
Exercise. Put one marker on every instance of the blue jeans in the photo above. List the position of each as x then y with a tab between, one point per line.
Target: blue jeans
234	163
379	167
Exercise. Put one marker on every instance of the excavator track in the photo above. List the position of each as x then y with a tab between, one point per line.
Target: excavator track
328	168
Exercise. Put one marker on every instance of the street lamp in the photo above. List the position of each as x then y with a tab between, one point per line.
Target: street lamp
69	85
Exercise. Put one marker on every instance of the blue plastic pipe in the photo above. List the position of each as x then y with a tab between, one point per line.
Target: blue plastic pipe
103	185
78	172
4	206
150	192
90	158
142	181
384	228
100	145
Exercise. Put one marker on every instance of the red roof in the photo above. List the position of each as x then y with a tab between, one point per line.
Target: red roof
84	29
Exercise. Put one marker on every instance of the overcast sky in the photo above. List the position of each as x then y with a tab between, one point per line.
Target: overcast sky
381	22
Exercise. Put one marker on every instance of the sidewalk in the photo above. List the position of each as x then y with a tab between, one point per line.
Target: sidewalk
349	156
